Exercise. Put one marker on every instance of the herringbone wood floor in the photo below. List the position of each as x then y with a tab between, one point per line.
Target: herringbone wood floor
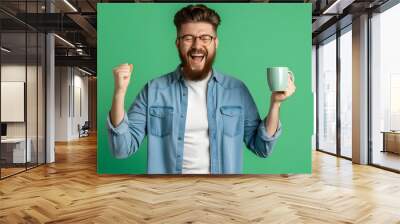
70	191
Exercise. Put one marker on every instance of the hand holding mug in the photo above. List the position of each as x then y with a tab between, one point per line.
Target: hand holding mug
281	83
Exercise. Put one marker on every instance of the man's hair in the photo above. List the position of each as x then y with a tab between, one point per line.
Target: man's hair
196	13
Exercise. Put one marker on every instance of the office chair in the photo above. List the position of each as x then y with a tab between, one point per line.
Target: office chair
84	130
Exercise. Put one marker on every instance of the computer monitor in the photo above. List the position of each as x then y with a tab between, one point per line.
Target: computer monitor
3	129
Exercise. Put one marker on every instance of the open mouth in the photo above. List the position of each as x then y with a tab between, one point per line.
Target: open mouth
197	58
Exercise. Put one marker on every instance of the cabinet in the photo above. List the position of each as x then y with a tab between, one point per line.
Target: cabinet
391	141
13	150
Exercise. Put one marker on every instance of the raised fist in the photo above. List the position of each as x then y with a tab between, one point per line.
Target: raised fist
122	75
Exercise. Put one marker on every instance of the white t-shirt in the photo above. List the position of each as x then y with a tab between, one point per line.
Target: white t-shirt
196	147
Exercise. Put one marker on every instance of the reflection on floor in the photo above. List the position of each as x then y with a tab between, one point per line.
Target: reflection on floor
10	169
386	159
347	152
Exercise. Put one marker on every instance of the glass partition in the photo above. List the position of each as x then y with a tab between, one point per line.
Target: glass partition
13	104
22	66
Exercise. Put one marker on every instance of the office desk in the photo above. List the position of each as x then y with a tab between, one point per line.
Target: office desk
15	148
391	141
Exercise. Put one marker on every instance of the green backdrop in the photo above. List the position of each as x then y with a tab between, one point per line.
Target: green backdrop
253	36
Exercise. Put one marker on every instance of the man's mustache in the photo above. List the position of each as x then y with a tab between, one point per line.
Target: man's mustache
197	51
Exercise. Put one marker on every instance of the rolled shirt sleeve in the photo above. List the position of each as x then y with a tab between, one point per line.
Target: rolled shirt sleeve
125	138
264	134
121	128
256	136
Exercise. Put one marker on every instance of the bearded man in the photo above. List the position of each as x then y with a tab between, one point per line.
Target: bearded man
196	118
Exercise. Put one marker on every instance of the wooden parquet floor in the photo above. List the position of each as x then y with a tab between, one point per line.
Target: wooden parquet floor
70	191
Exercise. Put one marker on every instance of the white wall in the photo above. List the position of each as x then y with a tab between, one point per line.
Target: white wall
14	72
80	84
62	81
17	73
71	87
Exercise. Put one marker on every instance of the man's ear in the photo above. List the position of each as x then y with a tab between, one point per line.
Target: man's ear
216	42
176	43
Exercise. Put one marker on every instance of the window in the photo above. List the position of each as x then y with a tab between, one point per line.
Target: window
346	92
327	95
385	88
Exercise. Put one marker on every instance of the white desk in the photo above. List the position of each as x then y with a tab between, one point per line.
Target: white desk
18	149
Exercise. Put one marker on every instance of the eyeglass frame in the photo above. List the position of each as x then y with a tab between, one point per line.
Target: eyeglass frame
195	38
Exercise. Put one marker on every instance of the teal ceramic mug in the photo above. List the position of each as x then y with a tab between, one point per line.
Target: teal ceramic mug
278	78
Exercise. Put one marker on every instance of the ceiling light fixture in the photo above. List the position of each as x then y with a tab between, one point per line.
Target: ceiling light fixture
70	5
5	50
337	7
84	71
64	40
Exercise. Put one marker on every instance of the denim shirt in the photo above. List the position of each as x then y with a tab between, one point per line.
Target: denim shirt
159	111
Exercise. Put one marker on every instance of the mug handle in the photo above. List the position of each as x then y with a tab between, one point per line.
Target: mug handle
291	74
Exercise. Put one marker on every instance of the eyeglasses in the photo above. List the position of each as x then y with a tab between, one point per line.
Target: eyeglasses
188	39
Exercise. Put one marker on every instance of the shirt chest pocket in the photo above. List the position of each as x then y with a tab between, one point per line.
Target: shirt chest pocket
161	120
231	118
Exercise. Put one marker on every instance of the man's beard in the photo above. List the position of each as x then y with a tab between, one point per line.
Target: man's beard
196	75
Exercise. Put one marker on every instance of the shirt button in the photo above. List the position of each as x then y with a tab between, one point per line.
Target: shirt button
179	138
179	156
184	94
182	116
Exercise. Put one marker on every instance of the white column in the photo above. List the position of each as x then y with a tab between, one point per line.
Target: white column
360	90
314	91
50	91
